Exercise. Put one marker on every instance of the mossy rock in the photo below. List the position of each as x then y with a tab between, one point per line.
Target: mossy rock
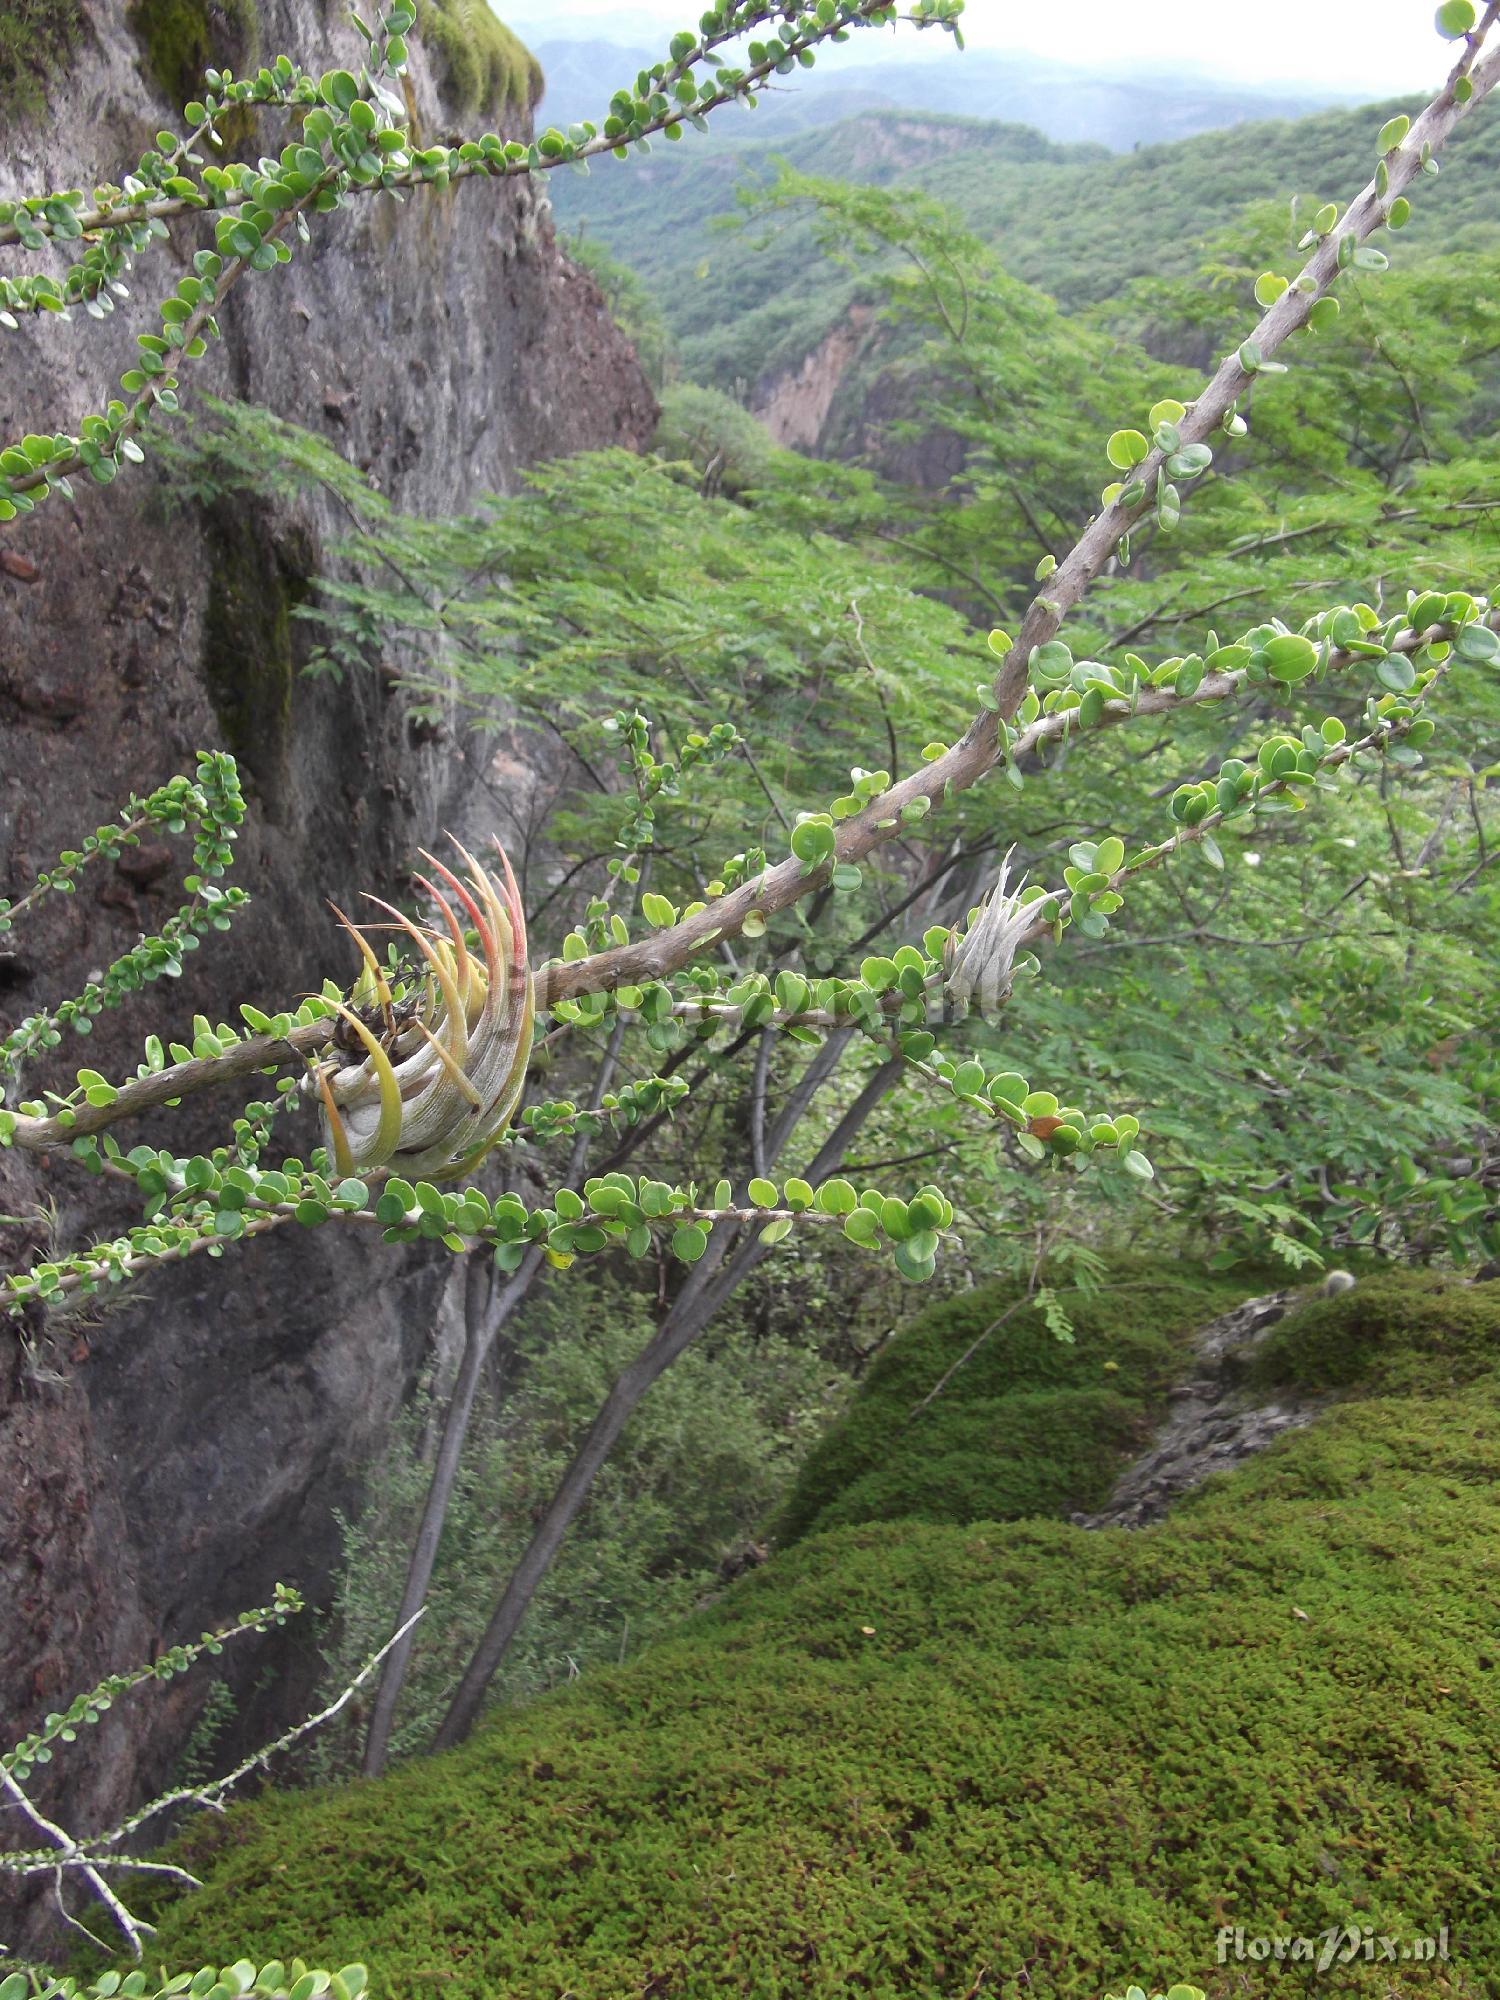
1400	1331
1028	1424
917	1761
180	39
486	70
1000	1458
37	40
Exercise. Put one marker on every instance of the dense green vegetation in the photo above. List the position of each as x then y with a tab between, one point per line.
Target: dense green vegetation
694	1478
902	1753
1074	219
1021	1421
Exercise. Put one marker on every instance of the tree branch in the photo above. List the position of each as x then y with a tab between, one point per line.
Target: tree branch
706	1290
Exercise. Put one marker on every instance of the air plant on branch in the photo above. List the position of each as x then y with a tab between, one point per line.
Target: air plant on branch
979	967
428	1060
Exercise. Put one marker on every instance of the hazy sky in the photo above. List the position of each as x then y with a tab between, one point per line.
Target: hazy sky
1375	45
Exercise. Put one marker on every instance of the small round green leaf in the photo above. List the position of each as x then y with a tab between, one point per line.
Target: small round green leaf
1126	448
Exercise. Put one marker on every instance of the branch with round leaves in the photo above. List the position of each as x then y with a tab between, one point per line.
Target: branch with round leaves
354	142
637	112
213	806
1068	695
92	1859
63	1726
893	996
203	1205
1071	697
1472	78
127	220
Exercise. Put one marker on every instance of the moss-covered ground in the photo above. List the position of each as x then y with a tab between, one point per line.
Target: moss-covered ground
945	1759
1027	1423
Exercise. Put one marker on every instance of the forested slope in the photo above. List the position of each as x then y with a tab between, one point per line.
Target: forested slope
1076	220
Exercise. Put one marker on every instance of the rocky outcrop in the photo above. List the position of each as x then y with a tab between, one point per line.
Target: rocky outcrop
849	397
164	1468
1213	1423
794	404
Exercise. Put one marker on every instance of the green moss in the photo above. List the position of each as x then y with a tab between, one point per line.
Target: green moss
1402	1331
1029	1424
486	68
917	1761
181	38
37	38
249	666
1000	1458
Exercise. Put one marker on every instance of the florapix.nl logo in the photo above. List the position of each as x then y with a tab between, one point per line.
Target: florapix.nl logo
1340	1944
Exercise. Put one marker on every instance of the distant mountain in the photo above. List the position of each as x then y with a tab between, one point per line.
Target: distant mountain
1077	220
1114	109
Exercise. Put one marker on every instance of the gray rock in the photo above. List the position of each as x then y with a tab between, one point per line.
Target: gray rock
166	1467
1210	1425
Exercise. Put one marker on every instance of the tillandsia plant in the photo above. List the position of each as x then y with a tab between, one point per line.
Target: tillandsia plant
426	1068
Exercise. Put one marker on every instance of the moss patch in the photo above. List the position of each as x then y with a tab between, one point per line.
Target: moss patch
485	68
1402	1331
916	1761
1029	1424
181	38
37	38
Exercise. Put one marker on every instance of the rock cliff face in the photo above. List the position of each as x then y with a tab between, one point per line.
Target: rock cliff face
794	404
849	398
164	1468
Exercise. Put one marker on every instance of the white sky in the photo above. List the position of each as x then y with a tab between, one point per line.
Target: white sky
1382	46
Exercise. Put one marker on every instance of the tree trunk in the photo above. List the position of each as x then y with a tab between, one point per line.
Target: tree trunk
710	1283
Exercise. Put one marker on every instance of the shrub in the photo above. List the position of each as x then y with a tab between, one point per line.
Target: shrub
709	429
699	1465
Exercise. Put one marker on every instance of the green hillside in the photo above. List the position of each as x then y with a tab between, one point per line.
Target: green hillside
1074	219
928	1761
979	1411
